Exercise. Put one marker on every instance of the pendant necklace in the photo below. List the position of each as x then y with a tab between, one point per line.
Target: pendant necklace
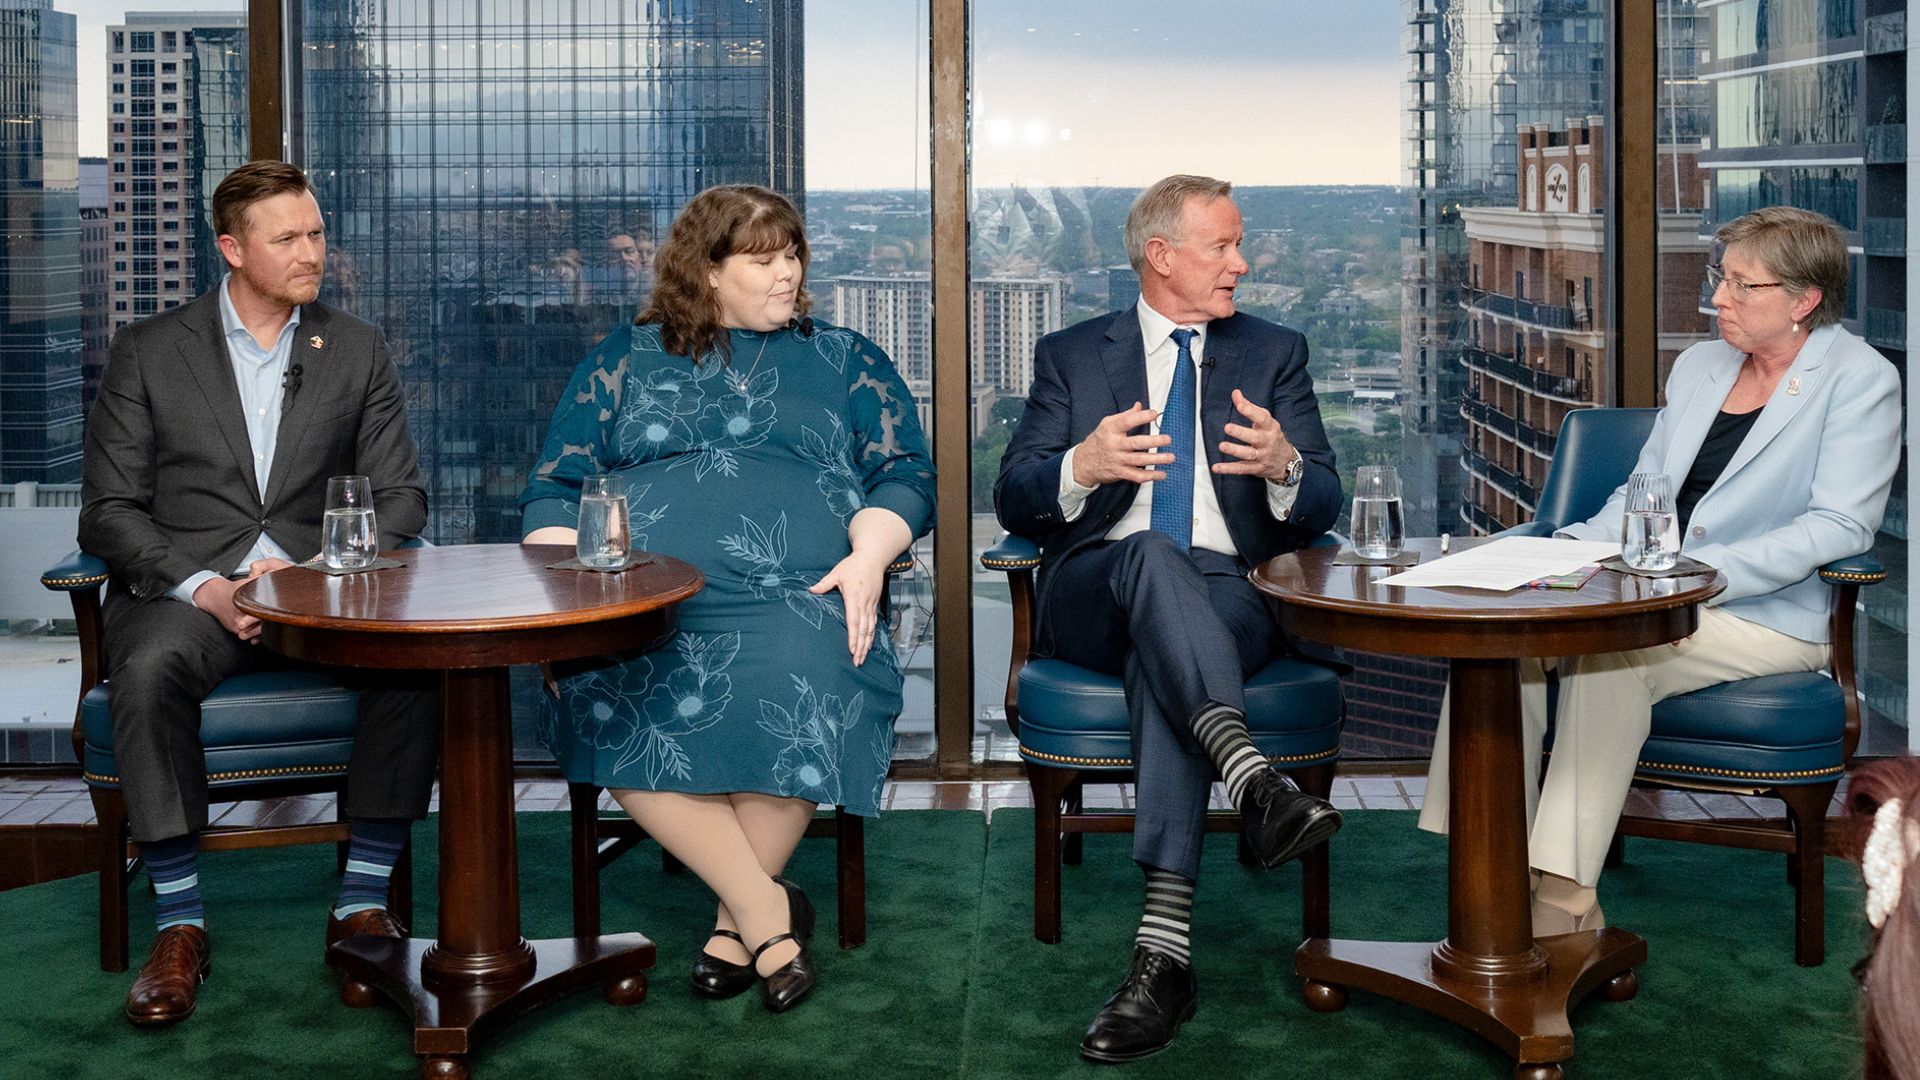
740	381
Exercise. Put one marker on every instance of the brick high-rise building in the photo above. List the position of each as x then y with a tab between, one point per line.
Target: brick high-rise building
1537	342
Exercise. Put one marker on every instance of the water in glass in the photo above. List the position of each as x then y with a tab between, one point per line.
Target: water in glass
602	539
349	535
347	538
1652	540
1377	529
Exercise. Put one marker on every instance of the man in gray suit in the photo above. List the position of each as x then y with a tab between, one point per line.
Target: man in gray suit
207	456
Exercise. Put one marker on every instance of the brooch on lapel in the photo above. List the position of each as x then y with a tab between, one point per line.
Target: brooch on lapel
316	341
1793	386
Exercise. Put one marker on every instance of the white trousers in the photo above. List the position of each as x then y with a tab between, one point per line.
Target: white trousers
1605	712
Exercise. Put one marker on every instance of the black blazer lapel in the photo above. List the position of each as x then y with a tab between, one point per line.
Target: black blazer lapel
311	349
205	353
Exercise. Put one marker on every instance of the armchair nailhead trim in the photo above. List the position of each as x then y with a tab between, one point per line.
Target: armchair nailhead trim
73	582
1009	564
1127	763
1853	576
240	774
1743	774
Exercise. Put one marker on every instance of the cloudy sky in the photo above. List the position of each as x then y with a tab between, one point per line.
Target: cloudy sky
1065	91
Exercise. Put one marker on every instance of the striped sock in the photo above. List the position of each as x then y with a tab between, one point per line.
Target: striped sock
174	866
1166	923
1222	732
373	846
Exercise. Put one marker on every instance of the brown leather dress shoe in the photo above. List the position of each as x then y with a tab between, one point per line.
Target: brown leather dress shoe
168	987
373	922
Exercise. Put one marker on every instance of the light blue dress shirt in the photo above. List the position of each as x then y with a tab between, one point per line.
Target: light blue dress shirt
258	373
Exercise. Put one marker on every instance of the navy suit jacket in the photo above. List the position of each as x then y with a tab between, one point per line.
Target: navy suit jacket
1099	367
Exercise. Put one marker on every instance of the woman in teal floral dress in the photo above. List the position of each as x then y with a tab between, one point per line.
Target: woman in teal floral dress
784	459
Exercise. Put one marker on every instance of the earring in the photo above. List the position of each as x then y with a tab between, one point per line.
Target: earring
1796	326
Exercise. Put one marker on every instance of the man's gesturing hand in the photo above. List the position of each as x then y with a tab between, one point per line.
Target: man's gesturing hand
1263	449
1110	454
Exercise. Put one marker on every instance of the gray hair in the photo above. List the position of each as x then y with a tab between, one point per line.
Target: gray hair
1157	212
1805	250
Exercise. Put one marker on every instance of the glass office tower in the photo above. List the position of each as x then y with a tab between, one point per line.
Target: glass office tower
494	177
219	143
40	412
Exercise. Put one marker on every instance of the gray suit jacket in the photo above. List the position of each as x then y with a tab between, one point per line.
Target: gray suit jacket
169	487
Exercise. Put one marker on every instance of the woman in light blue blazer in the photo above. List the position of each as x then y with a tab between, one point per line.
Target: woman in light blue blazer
1780	442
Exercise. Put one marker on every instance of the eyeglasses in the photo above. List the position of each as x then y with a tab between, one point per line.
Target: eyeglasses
1742	291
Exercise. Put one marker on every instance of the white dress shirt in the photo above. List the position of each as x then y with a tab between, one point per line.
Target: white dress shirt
257	374
1209	524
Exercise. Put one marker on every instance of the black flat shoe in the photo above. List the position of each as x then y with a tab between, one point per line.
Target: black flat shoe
782	988
720	979
1144	1015
800	914
1280	821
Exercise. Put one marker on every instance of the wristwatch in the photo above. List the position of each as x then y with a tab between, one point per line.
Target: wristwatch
1296	469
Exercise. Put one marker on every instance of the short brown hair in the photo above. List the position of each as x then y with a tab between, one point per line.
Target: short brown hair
248	184
1158	209
1804	250
734	219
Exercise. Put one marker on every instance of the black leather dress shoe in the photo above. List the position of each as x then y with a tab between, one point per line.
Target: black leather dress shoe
786	985
720	979
1144	1015
1280	821
801	916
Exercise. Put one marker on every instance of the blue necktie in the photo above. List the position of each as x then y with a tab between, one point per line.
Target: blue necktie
1173	497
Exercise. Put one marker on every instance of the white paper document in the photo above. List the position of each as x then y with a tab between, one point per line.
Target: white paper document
1507	563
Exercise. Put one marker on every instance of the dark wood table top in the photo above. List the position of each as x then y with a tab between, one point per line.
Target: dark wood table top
1332	603
462	589
478	605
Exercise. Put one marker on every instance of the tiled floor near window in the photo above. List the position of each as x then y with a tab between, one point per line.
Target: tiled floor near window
32	800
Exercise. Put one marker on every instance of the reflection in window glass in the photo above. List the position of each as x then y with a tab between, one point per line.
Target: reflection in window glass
869	219
494	184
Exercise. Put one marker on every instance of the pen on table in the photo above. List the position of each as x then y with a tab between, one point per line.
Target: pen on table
1445	539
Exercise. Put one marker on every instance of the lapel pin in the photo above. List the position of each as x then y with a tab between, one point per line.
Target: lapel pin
1793	386
316	341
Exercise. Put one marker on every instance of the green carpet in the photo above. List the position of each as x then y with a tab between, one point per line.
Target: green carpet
951	983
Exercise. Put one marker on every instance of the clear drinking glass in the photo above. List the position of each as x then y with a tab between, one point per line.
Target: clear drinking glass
1378	529
1652	539
349	537
602	536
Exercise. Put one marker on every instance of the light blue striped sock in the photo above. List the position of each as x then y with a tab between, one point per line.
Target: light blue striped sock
174	866
373	846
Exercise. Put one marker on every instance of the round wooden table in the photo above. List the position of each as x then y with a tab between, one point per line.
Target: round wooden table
470	612
1490	974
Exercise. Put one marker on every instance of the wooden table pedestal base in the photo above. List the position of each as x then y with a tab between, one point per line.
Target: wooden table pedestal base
1527	1021
451	1016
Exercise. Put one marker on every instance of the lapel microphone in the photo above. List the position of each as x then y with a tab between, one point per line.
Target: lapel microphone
290	382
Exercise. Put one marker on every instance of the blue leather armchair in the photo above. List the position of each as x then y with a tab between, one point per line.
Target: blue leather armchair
1786	736
1073	728
266	734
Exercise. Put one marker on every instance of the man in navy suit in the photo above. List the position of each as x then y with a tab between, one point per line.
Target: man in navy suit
1165	450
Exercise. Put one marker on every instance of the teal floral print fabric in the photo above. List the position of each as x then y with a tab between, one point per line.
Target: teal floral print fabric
750	469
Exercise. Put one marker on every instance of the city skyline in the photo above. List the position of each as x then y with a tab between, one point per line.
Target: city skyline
1034	82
